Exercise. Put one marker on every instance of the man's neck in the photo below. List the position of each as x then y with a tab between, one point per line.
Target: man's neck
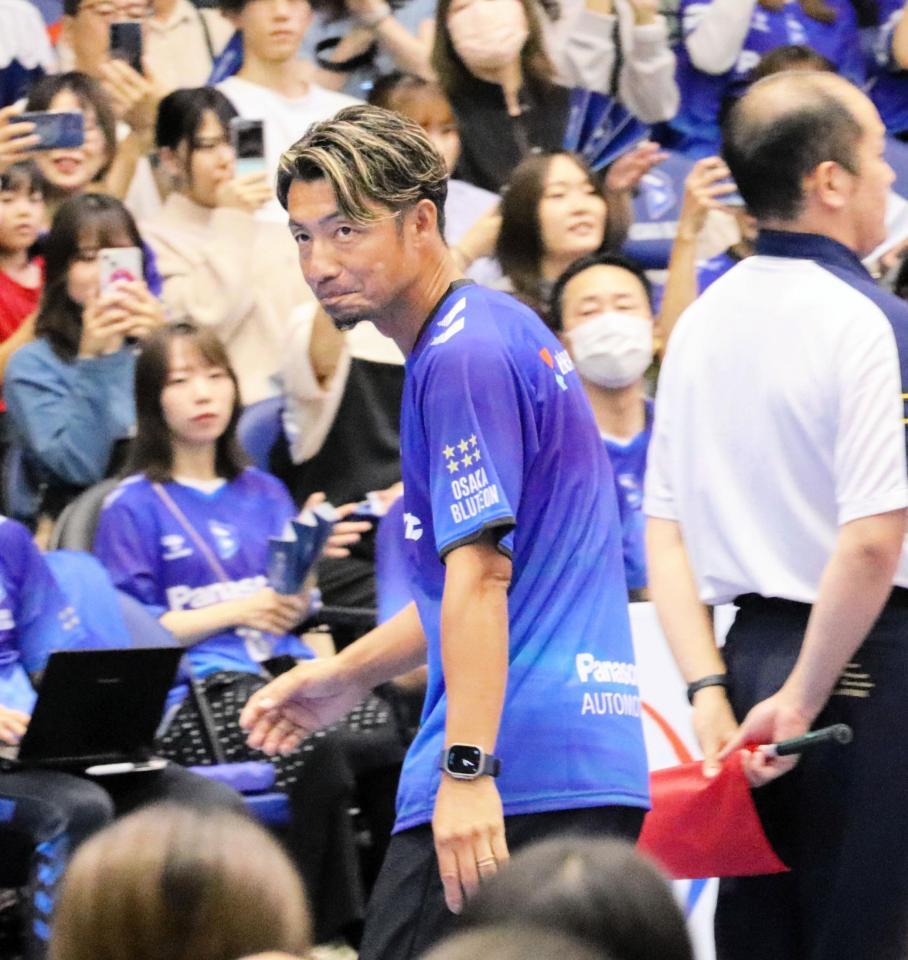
619	413
817	226
404	321
194	462
285	77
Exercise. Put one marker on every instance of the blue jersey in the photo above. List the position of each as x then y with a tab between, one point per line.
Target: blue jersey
497	435
696	126
629	466
889	84
35	616
152	556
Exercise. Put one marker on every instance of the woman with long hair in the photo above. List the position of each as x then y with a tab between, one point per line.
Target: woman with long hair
187	534
69	393
222	268
551	215
491	60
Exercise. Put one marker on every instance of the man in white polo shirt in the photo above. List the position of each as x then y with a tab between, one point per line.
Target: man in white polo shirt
777	479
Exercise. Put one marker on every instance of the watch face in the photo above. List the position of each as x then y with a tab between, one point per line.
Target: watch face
464	761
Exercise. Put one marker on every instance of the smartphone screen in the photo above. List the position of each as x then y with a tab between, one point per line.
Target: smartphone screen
56	130
120	263
248	139
126	42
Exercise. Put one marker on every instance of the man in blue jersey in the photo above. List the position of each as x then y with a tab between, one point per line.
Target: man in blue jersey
601	307
531	723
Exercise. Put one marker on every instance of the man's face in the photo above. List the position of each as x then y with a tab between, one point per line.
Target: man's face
355	270
870	189
273	29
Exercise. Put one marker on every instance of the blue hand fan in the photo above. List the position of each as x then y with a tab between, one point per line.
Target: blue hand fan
228	61
600	129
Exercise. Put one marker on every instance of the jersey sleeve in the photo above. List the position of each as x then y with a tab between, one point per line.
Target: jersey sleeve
870	442
45	619
474	435
126	548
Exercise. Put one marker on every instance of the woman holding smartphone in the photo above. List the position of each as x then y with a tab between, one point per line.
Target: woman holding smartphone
69	393
222	268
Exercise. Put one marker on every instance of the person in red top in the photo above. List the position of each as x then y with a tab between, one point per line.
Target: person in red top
22	217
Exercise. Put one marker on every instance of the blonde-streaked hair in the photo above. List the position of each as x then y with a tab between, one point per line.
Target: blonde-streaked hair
368	155
177	883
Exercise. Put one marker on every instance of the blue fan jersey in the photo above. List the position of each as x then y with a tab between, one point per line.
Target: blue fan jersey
497	435
889	87
628	462
696	126
36	618
151	556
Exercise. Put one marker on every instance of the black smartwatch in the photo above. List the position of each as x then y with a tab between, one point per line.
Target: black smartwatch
462	761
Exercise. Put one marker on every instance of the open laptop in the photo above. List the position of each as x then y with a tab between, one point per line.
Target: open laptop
98	710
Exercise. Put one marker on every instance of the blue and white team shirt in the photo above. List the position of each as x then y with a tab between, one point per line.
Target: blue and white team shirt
628	462
497	435
889	86
36	618
702	94
151	556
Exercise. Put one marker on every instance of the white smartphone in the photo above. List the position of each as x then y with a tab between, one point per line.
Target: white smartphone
120	264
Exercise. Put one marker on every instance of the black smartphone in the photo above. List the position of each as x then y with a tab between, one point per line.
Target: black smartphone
248	140
126	42
57	130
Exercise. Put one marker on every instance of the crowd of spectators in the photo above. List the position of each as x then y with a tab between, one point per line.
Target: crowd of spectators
148	378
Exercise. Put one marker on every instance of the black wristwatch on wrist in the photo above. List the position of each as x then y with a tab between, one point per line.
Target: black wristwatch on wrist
463	761
713	680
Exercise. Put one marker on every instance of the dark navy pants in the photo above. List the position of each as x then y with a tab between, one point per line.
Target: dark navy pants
407	913
840	819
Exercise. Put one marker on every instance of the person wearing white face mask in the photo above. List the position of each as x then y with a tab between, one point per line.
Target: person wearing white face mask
601	308
490	59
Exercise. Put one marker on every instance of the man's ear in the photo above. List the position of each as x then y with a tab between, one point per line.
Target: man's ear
425	219
831	184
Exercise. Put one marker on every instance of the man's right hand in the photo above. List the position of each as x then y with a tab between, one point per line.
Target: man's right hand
13	724
714	725
312	695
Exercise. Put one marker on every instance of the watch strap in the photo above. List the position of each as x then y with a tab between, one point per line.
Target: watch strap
713	680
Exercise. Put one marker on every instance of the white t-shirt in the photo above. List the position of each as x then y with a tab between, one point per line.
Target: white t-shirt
779	418
286	120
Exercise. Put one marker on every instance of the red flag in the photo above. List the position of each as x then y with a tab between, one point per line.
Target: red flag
706	827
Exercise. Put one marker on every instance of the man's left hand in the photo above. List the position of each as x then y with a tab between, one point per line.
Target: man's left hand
776	718
468	826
